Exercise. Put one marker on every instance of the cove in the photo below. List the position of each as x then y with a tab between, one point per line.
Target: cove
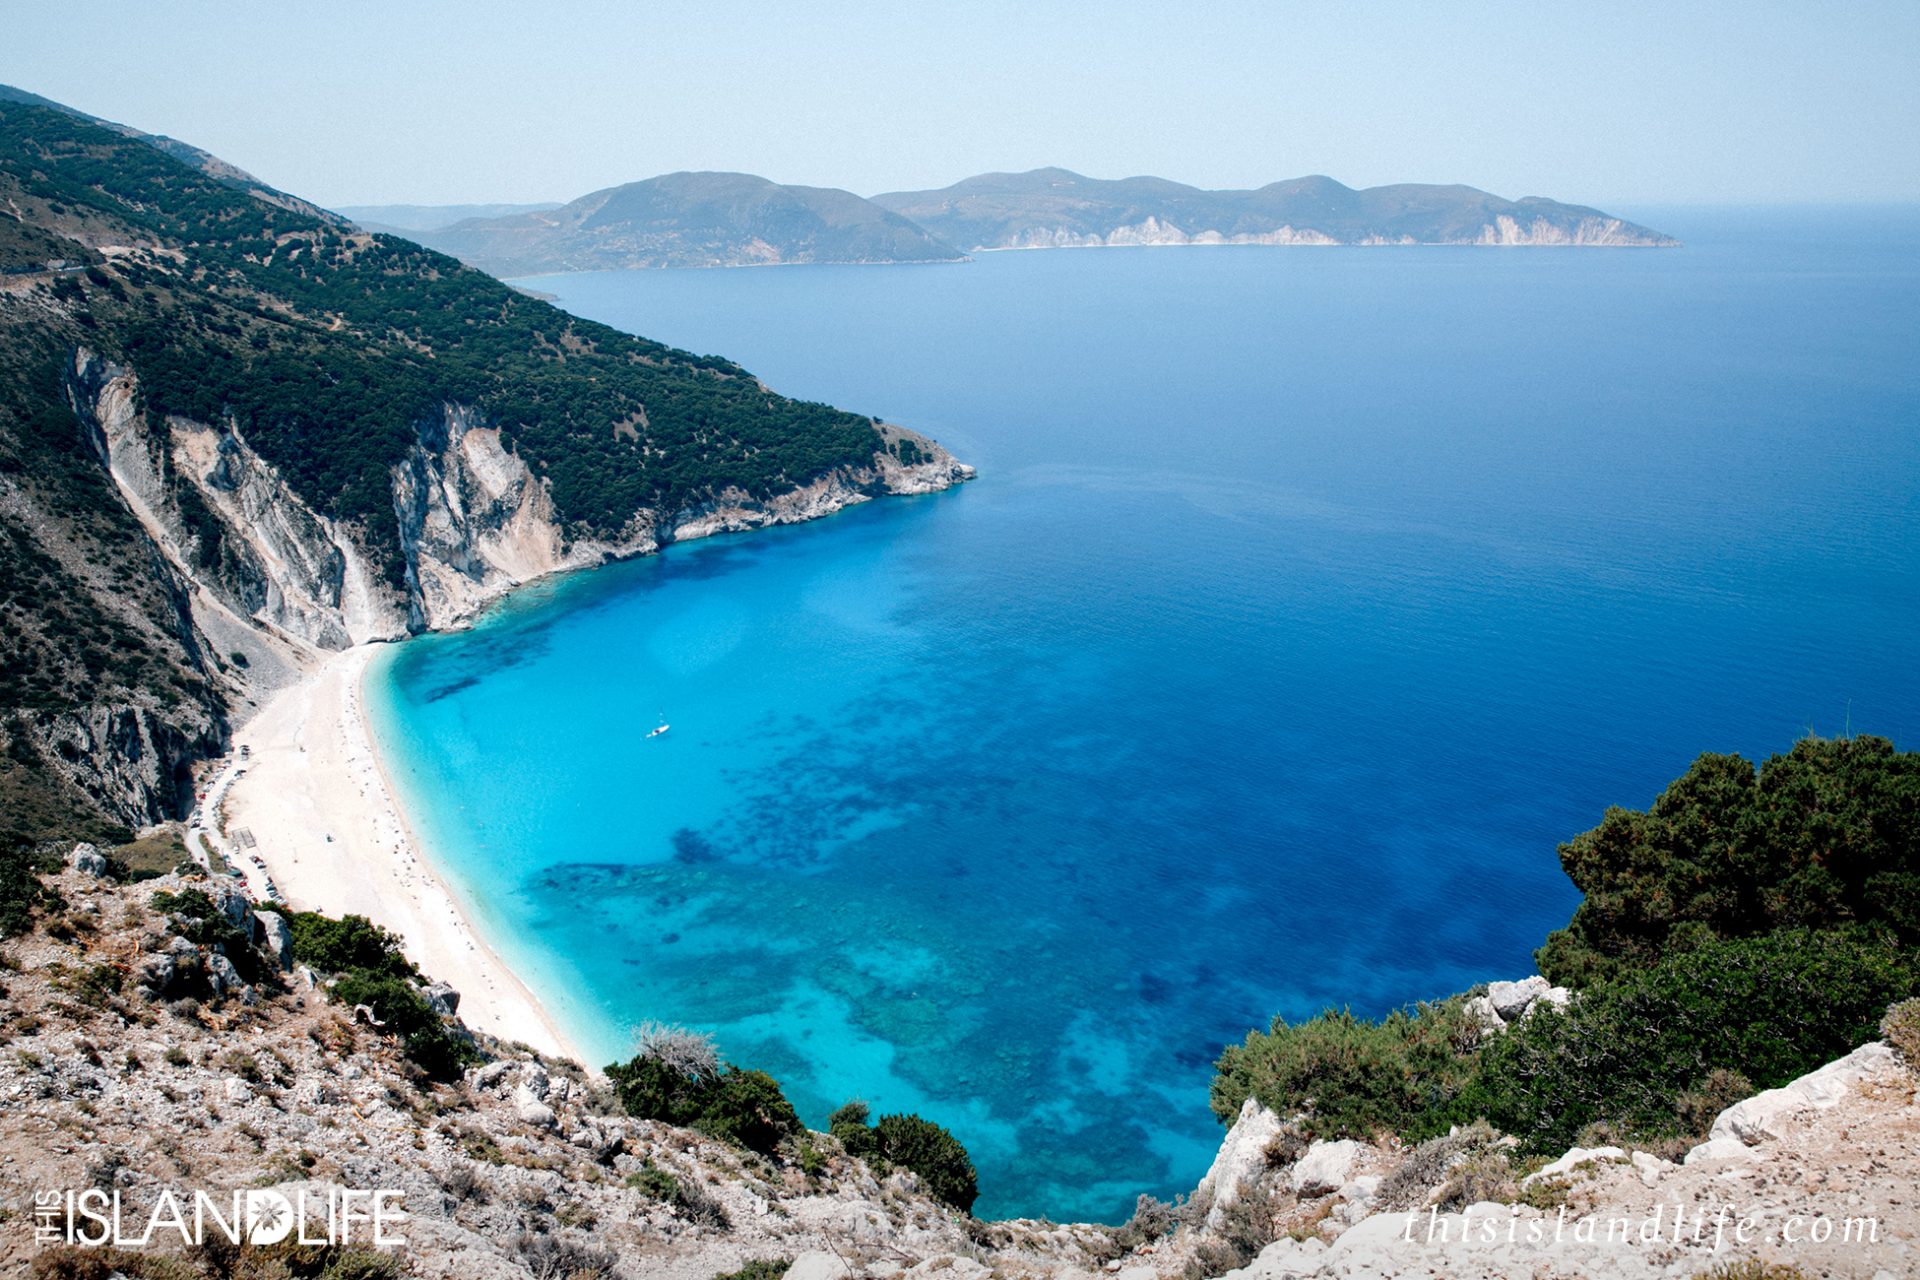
1306	600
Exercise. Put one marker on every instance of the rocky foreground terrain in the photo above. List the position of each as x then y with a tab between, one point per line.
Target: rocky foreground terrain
139	1060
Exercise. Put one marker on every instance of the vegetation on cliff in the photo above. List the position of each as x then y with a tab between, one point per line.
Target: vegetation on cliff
335	356
370	970
930	1150
331	348
1823	836
677	1076
1751	925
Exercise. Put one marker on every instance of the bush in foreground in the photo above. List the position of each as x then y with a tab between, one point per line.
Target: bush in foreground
929	1150
405	1014
730	1103
1348	1077
1825	836
373	971
1901	1029
347	944
1650	1056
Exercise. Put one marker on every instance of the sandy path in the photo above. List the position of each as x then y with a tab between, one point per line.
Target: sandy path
313	774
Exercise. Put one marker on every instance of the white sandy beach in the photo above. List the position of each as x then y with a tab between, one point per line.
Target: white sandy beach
313	773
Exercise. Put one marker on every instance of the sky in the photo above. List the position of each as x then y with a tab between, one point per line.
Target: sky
1617	104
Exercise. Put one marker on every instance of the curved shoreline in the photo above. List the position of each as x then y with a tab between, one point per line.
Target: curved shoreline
319	802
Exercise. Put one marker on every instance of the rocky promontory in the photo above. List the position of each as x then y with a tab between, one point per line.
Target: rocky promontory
156	1046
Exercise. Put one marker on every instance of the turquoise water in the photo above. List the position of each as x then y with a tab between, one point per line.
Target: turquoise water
1306	600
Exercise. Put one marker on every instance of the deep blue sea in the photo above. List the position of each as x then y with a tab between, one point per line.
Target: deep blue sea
1307	598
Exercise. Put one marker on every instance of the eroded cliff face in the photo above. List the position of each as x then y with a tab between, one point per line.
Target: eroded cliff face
138	759
269	584
1503	229
1154	231
476	523
1599	232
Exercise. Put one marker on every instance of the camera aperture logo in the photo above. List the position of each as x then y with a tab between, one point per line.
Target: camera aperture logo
340	1216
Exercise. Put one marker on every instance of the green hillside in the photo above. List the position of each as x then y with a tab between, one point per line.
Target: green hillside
334	353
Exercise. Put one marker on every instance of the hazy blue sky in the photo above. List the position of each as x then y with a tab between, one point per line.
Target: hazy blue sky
1616	103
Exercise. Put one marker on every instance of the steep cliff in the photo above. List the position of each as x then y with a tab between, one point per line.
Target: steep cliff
245	432
474	523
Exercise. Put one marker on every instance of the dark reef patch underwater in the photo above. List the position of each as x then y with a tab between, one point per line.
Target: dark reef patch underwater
1308	598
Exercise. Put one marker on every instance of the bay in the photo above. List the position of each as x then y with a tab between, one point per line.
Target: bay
1306	599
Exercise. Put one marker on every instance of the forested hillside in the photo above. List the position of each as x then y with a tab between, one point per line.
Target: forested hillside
331	362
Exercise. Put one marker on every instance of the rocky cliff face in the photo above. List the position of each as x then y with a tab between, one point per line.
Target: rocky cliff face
1602	232
142	1061
1503	230
266	583
139	759
1153	231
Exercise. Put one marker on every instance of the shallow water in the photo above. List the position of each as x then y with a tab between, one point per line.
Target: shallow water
1307	598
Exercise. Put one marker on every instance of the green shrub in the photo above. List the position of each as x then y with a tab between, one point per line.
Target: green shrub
1824	836
21	866
1347	1077
934	1154
655	1183
735	1105
759	1269
405	1014
746	1107
202	921
1628	1055
349	943
928	1149
849	1125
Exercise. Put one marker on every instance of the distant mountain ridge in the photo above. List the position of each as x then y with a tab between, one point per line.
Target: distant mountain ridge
410	219
691	220
737	219
1057	208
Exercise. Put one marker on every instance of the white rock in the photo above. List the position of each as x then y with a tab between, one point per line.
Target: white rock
1325	1167
1242	1158
1482	1011
1361	1189
1652	1168
222	976
1568	1162
947	1267
237	1090
234	905
87	860
533	1078
528	1106
1720	1149
1761	1117
817	1264
1284	1257
1510	999
491	1074
277	938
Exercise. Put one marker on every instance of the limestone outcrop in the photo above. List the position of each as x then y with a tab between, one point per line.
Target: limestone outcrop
264	584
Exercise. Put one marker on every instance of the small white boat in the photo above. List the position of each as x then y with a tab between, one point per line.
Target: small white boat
664	726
